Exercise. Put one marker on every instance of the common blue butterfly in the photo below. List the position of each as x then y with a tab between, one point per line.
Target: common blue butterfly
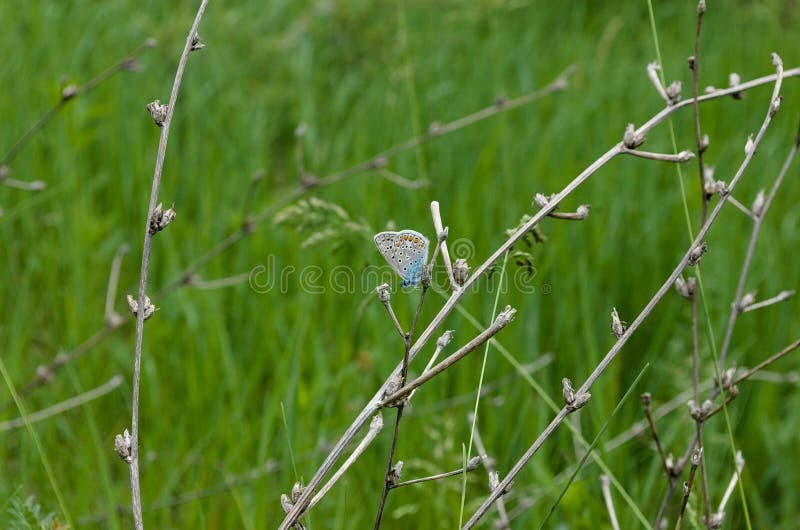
406	251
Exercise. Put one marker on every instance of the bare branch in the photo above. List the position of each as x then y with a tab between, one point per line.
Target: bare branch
778	298
473	464
679	158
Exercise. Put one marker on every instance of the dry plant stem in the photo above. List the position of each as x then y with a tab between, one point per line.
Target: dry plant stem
393	317
732	484
34	185
374	428
678	158
639	427
449	361
63	101
403	182
703	471
407	338
455	472
687	490
763	364
503	522
387	481
742	208
698	423
64	406
695	66
654	432
456	296
695	352
219	283
780	297
612	513
438	226
751	247
137	362
236	236
716	410
111	317
665	287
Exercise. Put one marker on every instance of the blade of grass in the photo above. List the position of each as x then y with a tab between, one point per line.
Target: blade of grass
478	395
39	449
289	441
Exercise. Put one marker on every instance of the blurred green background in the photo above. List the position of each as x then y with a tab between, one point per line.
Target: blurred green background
223	368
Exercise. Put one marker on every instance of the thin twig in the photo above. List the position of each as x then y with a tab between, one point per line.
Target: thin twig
137	362
441	237
778	298
401	181
472	465
700	453
70	93
731	485
763	364
375	427
742	208
113	318
219	283
654	432
64	406
500	322
612	514
687	486
639	427
694	64
407	339
387	479
33	185
678	158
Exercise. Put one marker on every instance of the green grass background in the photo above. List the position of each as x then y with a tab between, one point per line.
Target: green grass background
219	365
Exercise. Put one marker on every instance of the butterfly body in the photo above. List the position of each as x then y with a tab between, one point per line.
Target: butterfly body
406	251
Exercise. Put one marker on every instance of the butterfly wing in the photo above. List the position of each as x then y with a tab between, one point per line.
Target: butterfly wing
406	251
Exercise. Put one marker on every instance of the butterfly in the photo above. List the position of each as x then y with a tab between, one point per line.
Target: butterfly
406	251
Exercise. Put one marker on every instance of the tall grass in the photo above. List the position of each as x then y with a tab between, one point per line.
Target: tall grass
221	365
